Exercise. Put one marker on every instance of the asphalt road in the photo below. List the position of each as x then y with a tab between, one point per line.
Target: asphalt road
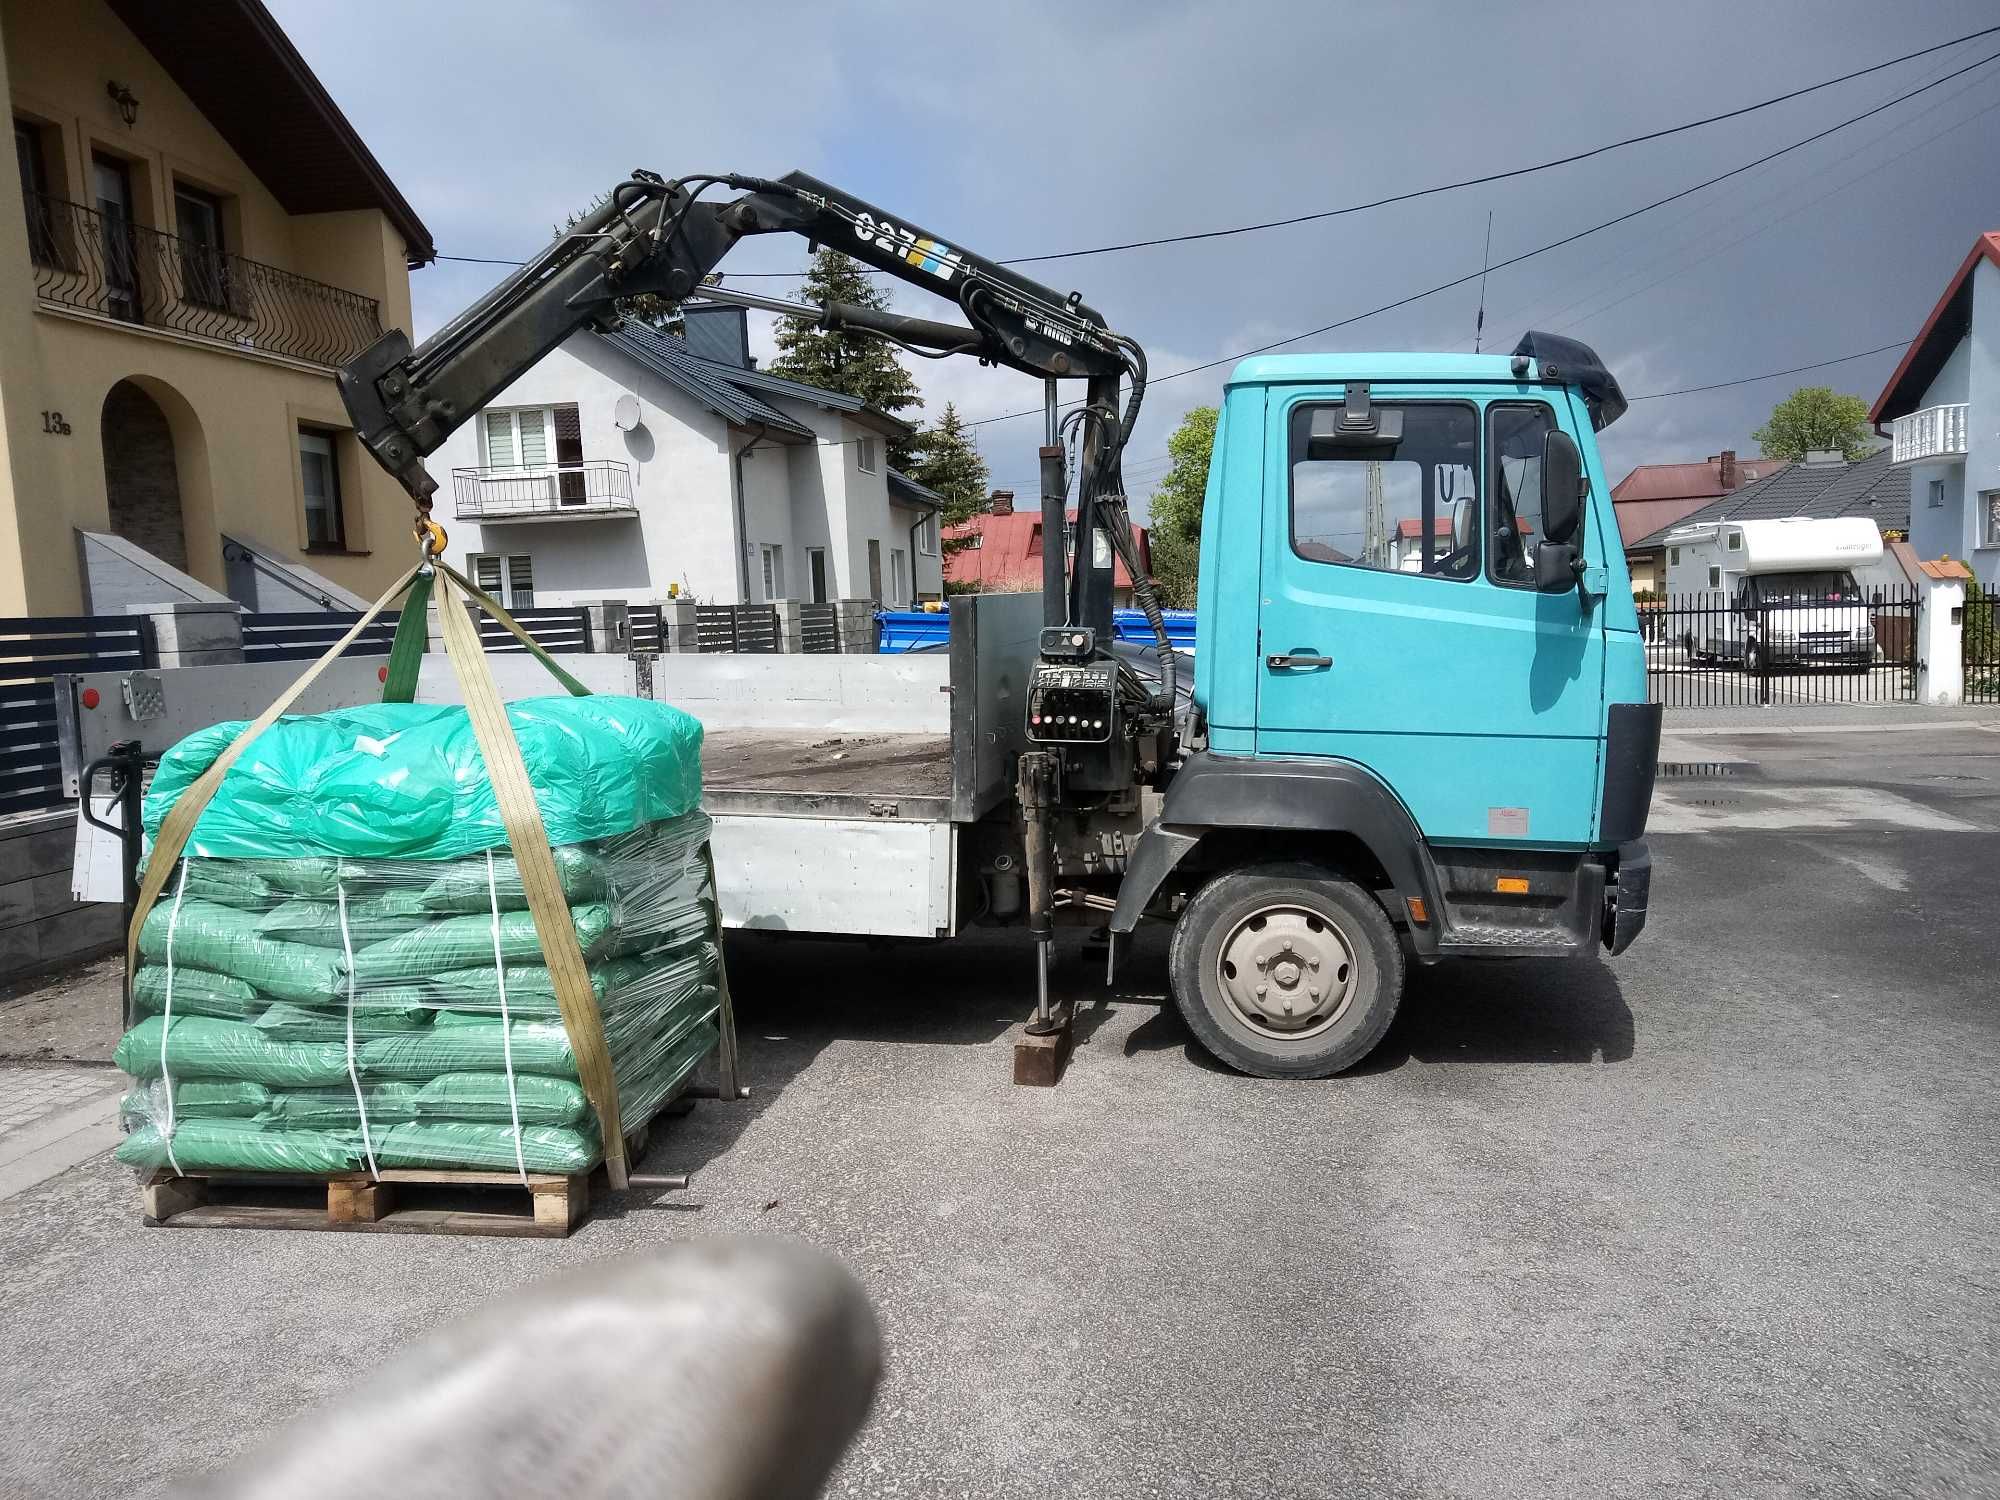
1717	1217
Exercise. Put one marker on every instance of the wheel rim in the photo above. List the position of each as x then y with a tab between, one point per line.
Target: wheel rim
1286	972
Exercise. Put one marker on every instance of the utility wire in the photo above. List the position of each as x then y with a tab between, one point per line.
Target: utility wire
1691	390
1394	198
1539	250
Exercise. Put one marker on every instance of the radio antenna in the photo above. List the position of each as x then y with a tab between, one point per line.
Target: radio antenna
1485	260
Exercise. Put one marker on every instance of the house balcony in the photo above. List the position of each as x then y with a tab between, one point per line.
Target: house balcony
104	267
596	489
1936	432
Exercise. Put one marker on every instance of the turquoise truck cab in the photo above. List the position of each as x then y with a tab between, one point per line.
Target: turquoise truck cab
1420	677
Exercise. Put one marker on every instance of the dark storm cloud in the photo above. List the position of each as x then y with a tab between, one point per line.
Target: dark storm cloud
1016	130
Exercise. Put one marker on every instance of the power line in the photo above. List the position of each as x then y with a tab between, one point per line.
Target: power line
1394	198
1771	375
1539	250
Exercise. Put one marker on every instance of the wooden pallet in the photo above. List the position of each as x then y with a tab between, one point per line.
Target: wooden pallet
399	1201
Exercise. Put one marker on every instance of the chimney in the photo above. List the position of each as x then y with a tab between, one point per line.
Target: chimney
1729	474
1002	503
1825	456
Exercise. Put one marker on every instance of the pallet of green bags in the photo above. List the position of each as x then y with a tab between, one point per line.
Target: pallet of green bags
345	1014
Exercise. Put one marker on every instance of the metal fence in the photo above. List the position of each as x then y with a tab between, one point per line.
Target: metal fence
552	629
1702	651
819	629
305	635
736	627
112	267
1980	643
648	630
32	652
925	630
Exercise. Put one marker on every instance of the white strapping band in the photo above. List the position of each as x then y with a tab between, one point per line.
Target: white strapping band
167	1012
353	1077
506	1025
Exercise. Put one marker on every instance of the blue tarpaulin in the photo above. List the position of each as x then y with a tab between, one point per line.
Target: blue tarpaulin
919	630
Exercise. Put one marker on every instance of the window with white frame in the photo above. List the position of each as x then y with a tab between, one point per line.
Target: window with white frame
1715	578
773	556
508	578
927	535
1735	541
864	455
899	578
1989	518
1674	556
1937	494
517	438
319	478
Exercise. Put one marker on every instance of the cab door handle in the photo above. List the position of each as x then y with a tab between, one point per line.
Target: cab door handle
1281	662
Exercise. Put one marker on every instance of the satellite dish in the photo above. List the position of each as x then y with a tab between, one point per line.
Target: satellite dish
626	413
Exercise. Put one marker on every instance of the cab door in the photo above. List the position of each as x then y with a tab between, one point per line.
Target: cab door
1399	624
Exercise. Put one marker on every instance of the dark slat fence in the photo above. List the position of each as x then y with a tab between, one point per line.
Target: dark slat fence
736	627
1981	645
32	652
305	635
819	628
553	629
1704	652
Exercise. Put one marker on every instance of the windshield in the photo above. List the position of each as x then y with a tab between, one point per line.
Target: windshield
1807	588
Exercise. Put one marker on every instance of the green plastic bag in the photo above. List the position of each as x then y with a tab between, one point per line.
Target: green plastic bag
302	877
371	919
196	992
198	1099
225	940
484	1096
201	1047
285	1022
461	942
241	1146
408	780
530	990
388	1104
463	886
472	1044
228	882
457	1143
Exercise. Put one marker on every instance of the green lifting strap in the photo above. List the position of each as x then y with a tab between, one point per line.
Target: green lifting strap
406	654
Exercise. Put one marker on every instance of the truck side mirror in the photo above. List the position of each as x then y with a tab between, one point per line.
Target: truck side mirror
1562	487
1558	559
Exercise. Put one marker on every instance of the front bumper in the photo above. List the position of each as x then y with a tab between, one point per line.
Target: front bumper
1625	898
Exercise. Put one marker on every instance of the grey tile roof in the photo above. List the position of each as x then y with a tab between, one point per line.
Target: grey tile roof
1869	488
715	386
907	491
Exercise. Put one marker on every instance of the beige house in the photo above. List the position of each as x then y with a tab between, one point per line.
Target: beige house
194	240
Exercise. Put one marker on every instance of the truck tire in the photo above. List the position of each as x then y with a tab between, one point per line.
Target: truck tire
1319	947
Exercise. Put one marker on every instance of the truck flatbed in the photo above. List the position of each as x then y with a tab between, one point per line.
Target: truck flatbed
807	773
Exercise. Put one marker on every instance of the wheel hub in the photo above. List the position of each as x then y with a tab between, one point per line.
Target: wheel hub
1286	971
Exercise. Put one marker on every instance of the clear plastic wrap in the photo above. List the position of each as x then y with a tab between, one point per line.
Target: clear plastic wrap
335	1014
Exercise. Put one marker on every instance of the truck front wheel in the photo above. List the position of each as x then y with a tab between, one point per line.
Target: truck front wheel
1286	970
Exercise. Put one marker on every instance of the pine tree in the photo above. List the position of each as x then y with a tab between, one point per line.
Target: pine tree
949	464
853	364
1176	508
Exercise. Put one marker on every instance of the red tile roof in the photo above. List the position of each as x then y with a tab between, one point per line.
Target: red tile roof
1008	559
1689	481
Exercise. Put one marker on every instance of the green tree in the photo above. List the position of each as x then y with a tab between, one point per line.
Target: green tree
949	464
1176	507
659	312
853	364
1816	417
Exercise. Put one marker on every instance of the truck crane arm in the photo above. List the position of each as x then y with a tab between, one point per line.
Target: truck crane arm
656	236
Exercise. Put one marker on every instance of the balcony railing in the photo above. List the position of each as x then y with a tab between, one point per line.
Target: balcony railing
544	492
1934	432
115	269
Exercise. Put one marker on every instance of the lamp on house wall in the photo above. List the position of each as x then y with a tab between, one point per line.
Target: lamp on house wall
126	100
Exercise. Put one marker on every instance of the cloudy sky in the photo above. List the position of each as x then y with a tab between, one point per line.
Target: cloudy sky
1023	129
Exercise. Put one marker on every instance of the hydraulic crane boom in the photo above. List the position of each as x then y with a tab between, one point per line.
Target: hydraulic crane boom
656	236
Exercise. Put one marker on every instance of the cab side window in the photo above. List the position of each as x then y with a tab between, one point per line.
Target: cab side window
1516	431
1407	506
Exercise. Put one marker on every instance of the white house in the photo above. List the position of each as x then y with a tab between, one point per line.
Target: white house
628	465
1941	413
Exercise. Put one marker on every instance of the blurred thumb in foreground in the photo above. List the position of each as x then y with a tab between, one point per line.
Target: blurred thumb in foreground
718	1370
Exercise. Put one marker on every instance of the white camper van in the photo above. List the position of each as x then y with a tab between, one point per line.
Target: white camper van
1783	591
